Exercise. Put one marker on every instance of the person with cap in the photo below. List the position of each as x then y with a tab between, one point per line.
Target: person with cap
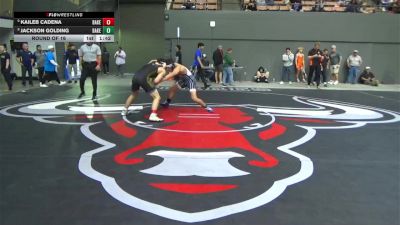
90	58
367	77
5	66
354	62
335	60
40	58
147	78
50	66
26	59
184	80
218	58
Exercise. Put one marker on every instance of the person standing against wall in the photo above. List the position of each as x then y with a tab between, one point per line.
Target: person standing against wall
354	62
26	59
325	66
287	69
50	66
5	66
199	65
218	58
90	58
300	64
227	78
120	57
105	60
178	54
40	58
71	57
314	57
335	61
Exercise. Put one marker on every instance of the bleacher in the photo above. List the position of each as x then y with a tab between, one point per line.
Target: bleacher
307	6
197	5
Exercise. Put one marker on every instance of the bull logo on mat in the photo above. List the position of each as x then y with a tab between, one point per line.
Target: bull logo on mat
197	166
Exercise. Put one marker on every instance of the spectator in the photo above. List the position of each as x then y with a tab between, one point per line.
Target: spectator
334	60
365	10
385	4
5	66
395	7
50	66
189	5
199	65
261	75
105	60
227	78
40	58
178	54
90	58
120	57
251	6
368	78
354	62
353	6
26	59
218	58
314	57
287	68
72	57
269	2
325	66
297	6
299	60
319	6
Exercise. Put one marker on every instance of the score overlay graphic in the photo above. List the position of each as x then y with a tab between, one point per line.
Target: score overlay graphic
64	26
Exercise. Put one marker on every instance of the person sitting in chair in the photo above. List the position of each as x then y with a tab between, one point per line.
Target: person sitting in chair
261	75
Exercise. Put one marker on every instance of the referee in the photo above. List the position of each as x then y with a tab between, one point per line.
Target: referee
90	59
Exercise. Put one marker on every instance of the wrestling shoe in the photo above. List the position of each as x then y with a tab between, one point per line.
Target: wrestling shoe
209	109
124	112
165	104
154	118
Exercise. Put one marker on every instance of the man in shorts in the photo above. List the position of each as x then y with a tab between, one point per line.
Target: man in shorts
147	78
218	58
335	59
184	79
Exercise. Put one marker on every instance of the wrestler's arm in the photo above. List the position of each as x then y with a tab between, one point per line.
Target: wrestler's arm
160	75
172	73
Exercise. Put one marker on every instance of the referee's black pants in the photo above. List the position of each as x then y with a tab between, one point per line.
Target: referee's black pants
89	70
317	78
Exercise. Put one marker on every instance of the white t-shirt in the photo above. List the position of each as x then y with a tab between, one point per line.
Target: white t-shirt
120	57
287	59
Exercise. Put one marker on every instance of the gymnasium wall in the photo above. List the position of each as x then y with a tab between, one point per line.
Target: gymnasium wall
260	38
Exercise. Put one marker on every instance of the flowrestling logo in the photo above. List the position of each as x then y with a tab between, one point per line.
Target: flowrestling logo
197	166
